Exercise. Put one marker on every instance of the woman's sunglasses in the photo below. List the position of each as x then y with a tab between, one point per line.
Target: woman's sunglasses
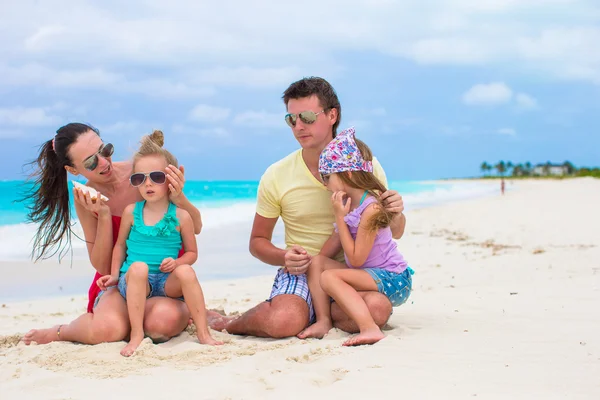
139	178
308	117
105	151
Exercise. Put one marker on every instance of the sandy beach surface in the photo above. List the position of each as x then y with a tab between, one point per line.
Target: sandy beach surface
506	304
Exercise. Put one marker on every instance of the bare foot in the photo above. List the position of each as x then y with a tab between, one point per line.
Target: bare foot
217	321
366	337
316	330
205	338
133	344
42	336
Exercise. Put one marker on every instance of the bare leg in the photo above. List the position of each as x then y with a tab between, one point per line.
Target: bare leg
342	285
183	281
284	316
108	323
137	291
321	301
165	318
379	307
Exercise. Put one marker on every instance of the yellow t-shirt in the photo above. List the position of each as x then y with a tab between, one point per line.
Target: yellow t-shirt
288	190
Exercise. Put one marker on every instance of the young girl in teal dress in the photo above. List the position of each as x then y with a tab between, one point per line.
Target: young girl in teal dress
148	259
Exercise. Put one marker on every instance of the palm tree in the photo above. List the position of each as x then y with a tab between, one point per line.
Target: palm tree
569	167
509	165
527	168
518	170
485	167
501	167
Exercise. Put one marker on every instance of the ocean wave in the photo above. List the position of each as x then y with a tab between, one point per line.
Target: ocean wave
16	239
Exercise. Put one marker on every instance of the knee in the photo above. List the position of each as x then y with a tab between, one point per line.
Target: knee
286	323
327	278
380	307
164	321
185	273
138	270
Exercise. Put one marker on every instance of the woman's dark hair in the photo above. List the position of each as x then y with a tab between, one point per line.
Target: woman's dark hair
49	193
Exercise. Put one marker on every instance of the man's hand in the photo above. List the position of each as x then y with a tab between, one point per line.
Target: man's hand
392	201
297	260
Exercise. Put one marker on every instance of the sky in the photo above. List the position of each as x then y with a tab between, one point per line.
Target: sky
434	87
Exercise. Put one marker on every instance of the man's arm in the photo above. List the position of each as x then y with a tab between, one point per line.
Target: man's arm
397	226
261	246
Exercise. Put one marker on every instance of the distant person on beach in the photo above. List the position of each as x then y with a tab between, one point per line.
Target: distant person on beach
146	260
502	186
77	148
292	189
362	225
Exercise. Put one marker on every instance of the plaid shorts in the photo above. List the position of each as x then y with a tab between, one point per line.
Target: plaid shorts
286	283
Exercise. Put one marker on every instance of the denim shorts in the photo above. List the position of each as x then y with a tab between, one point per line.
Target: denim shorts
156	282
396	287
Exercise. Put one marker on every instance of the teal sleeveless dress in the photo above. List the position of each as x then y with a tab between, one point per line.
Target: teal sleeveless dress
152	244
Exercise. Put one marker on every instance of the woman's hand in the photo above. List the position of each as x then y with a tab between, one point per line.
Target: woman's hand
176	179
96	206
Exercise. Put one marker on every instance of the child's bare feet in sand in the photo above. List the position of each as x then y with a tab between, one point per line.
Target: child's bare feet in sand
132	346
367	337
206	338
42	336
316	330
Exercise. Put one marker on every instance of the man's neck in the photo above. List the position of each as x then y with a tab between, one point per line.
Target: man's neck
311	158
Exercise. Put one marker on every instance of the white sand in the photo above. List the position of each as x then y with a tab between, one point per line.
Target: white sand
506	304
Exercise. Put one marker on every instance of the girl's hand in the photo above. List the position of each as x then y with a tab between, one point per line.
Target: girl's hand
168	265
176	179
96	206
339	208
106	281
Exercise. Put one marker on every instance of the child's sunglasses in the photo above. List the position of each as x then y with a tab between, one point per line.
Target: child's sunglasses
139	178
105	151
325	179
308	117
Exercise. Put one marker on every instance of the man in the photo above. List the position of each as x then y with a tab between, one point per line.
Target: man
293	190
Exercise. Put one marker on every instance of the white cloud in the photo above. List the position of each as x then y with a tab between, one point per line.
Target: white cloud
193	131
507	131
488	94
260	119
27	117
229	47
526	102
206	113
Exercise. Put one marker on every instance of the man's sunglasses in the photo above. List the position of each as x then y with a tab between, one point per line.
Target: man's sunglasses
105	151
308	117
139	178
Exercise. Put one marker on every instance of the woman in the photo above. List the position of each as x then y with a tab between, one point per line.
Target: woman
78	149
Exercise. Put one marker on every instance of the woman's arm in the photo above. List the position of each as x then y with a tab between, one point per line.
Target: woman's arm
97	231
189	239
358	251
176	181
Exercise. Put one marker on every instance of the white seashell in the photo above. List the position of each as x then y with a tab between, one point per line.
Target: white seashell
86	189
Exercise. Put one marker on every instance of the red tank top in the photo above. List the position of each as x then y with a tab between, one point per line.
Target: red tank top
94	289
